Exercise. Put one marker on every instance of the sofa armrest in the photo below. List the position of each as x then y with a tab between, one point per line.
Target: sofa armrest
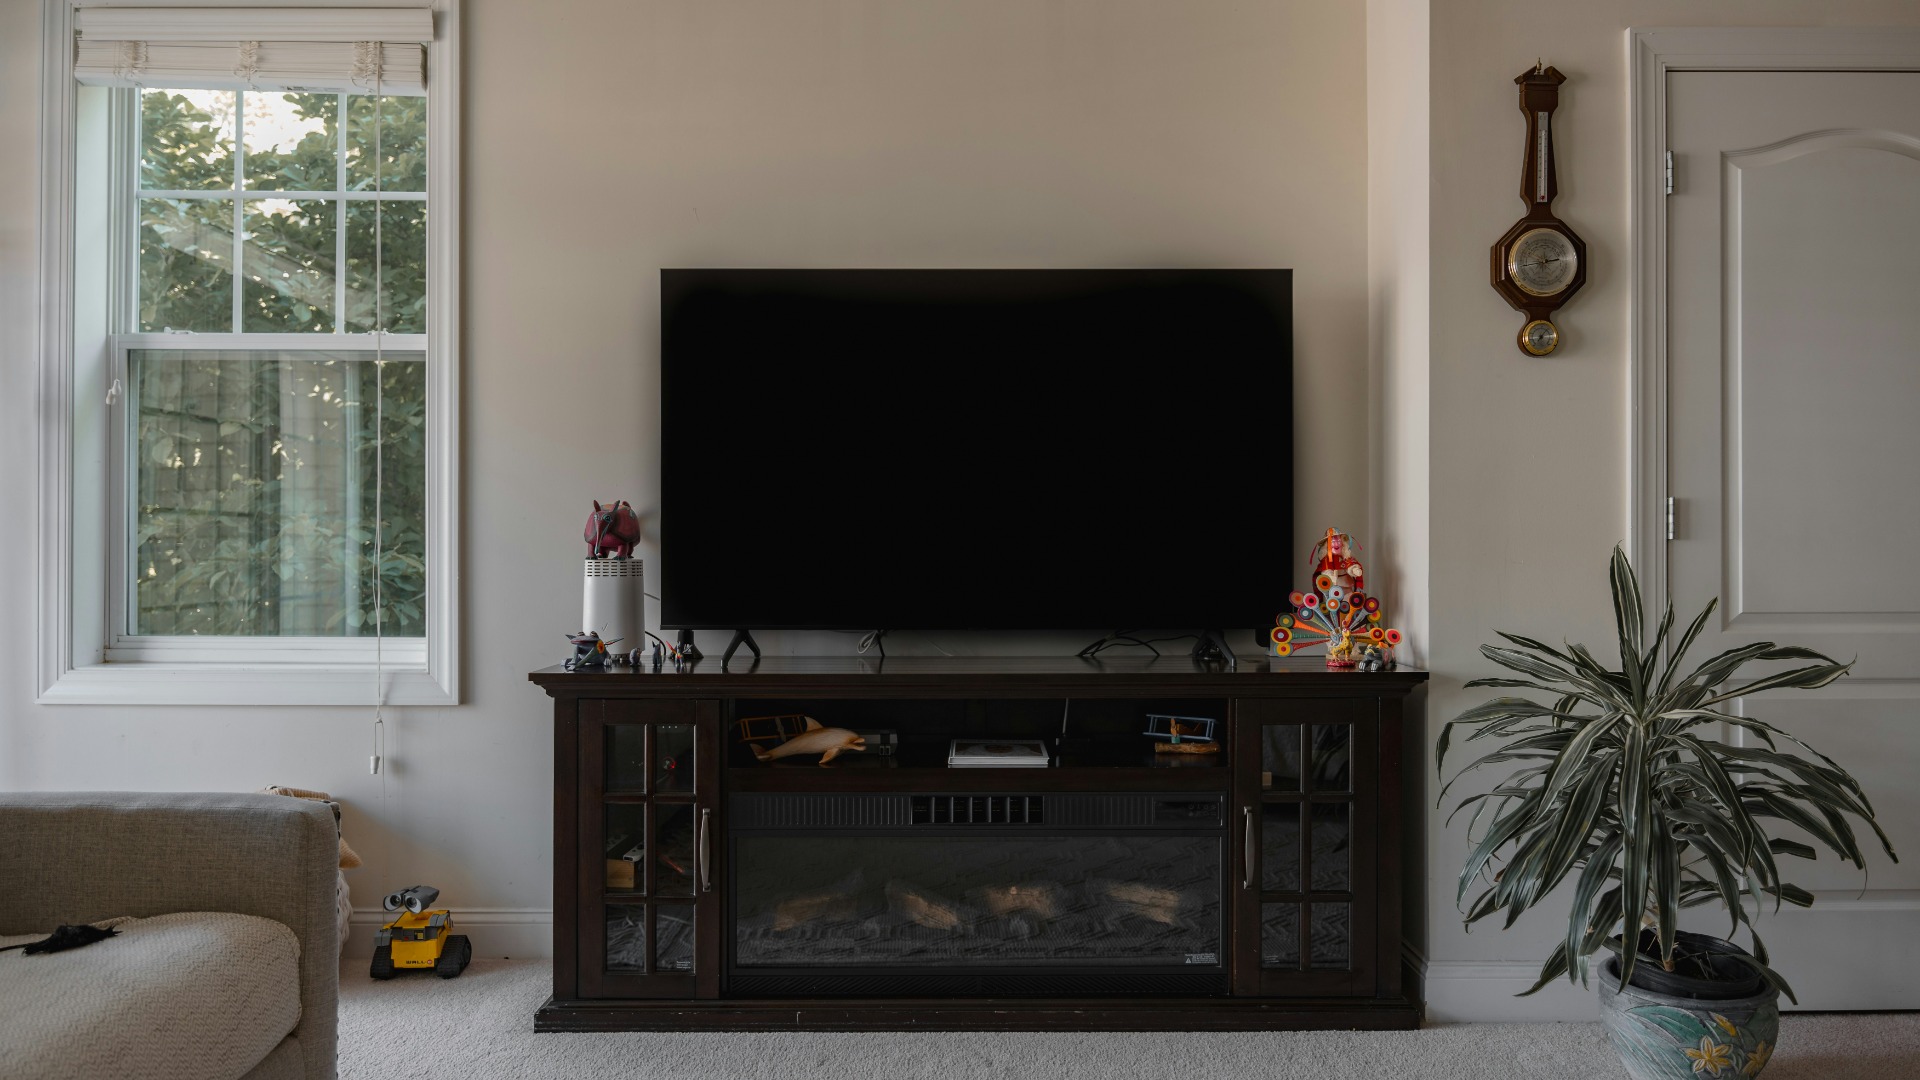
72	857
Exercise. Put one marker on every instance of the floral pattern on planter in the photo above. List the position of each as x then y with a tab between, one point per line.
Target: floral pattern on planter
1667	1042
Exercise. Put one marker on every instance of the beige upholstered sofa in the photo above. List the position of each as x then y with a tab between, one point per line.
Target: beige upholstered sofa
230	967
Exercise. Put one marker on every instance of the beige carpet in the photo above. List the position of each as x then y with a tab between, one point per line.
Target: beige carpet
481	1025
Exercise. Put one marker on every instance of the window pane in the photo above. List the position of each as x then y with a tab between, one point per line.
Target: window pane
626	846
626	757
186	265
253	493
403	226
186	139
673	849
674	748
1280	935
288	264
626	937
1331	927
1280	757
1330	754
673	937
292	141
1280	847
403	144
1332	858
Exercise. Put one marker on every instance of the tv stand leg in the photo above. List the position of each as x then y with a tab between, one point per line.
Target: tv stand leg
1210	646
740	637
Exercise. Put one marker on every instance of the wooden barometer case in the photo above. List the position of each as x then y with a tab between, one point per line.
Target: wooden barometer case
1539	263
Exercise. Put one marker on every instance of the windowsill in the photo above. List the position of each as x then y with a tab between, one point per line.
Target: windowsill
398	654
244	684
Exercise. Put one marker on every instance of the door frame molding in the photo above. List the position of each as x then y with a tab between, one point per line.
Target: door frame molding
1651	54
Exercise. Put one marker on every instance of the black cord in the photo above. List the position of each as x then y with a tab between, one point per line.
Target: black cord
870	639
1112	641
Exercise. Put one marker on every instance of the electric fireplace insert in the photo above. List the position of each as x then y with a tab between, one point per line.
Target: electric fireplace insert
978	894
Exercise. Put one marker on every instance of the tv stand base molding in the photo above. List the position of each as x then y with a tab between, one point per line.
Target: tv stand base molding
703	883
982	1014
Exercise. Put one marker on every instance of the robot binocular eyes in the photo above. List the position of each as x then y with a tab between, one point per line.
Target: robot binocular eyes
415	898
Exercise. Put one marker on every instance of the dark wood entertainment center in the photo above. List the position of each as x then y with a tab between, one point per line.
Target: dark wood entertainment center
698	888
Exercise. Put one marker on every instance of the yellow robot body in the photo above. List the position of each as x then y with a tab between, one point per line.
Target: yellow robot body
420	940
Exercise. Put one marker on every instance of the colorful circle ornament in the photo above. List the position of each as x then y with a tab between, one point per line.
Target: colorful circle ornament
1337	613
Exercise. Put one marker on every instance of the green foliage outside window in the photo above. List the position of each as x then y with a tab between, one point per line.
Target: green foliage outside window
253	482
289	259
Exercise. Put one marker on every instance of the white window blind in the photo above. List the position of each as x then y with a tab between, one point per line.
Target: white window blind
306	49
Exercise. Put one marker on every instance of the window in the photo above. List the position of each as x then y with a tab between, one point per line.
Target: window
257	470
259	506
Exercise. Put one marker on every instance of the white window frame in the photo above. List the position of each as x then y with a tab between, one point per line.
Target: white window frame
83	655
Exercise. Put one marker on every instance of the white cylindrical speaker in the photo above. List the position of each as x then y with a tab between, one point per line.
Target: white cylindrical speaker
615	602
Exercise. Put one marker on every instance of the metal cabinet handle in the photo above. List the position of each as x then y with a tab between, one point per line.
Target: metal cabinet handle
706	850
1246	877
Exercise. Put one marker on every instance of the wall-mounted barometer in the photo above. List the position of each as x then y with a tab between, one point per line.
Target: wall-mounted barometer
1540	263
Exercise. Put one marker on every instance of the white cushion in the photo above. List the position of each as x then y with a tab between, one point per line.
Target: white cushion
196	994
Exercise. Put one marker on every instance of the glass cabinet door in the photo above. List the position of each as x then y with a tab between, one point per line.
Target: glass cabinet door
649	772
1304	899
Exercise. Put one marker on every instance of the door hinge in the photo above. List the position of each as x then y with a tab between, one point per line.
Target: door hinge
1670	518
1669	172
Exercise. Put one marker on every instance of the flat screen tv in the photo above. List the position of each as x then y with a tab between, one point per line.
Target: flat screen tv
975	449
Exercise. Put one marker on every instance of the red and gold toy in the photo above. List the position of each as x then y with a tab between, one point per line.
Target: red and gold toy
1336	613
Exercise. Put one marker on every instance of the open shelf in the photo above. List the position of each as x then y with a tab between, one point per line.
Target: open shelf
1103	747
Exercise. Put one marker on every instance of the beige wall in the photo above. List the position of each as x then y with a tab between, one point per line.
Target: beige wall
1529	457
955	133
774	133
1398	282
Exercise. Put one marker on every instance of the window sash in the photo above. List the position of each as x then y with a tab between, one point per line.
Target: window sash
129	195
125	646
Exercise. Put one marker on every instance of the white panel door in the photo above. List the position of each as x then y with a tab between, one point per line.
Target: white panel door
1794	452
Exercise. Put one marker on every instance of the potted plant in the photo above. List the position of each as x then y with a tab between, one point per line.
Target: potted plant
1624	792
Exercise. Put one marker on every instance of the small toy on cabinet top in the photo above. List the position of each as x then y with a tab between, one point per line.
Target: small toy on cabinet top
612	529
1336	613
589	652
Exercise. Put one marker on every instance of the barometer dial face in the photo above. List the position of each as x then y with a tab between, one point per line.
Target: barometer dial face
1542	262
1539	337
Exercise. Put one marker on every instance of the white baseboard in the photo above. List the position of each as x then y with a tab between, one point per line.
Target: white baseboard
1462	993
497	933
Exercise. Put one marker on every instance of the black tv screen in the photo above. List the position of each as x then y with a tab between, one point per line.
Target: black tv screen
975	449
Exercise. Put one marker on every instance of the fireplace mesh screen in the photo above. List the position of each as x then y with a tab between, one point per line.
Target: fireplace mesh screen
1146	900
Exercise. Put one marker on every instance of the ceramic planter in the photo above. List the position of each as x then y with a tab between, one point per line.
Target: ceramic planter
1670	1037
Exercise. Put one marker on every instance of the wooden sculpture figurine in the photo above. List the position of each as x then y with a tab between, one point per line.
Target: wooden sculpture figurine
828	742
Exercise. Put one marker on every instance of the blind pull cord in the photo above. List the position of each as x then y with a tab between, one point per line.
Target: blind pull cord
367	57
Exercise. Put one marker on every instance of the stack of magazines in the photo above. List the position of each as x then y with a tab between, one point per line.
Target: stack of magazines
997	754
